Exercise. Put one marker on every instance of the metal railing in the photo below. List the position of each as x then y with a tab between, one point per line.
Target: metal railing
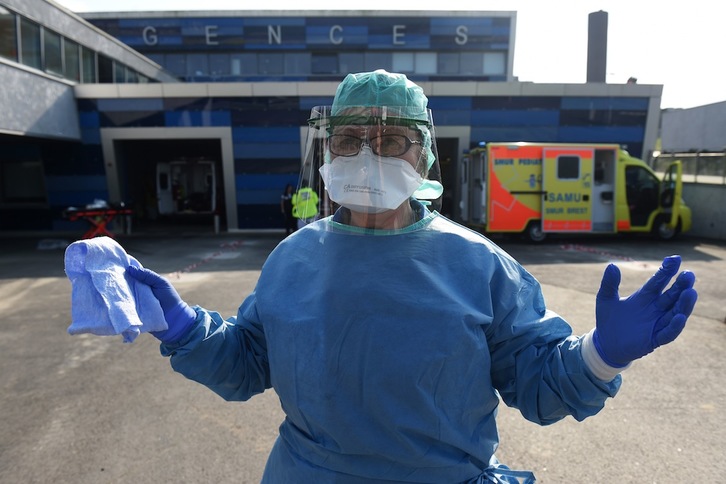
698	167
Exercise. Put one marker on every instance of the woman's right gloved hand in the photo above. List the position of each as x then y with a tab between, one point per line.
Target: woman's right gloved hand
179	315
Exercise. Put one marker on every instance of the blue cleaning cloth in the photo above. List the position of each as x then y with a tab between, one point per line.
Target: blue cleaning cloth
104	300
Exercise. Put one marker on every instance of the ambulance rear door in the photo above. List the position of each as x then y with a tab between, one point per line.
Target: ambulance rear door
672	193
164	189
477	187
464	188
567	185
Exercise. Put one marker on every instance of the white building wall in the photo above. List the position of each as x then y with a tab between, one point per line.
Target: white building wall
702	128
708	204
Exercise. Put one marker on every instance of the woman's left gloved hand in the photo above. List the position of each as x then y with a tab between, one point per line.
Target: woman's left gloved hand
179	315
630	328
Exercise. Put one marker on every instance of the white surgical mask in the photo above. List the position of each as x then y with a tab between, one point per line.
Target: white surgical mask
368	183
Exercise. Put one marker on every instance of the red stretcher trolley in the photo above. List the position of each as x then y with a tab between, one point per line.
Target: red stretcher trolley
98	218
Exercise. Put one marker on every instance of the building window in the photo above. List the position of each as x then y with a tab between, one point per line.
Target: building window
426	63
197	65
30	43
71	60
8	35
472	63
378	60
243	64
403	62
271	64
52	53
297	63
176	64
119	73
105	69
88	64
219	65
22	182
448	63
494	64
351	62
324	64
132	76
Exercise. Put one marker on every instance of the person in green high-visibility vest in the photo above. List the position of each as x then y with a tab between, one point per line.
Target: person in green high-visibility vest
305	206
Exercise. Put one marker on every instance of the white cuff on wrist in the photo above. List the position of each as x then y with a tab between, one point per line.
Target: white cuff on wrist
592	359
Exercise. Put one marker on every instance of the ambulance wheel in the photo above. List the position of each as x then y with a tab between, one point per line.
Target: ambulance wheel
534	232
661	231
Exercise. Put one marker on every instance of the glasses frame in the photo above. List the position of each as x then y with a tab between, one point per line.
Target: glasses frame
372	144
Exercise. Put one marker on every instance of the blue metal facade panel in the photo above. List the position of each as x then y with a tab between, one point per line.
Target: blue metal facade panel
491	134
270	134
602	134
514	118
605	103
88	119
197	118
270	150
130	104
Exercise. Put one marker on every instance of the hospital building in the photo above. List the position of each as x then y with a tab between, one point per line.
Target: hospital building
204	114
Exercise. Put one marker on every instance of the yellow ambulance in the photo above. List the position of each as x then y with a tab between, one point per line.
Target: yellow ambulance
548	188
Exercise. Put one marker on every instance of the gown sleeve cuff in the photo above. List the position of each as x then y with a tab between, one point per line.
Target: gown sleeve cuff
592	359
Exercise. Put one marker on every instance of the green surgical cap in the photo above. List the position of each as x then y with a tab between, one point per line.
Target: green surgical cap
402	97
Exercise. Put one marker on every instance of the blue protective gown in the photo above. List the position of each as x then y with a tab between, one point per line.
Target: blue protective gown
390	363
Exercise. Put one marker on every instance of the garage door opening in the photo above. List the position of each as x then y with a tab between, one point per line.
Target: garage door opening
172	184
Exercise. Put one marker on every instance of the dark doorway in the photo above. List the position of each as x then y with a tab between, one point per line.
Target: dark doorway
448	149
137	168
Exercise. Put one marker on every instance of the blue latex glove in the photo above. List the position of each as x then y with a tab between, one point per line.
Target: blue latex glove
179	315
629	328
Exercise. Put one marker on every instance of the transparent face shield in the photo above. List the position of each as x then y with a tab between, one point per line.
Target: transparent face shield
372	160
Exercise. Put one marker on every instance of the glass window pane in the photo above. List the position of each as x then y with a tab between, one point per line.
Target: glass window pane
568	167
271	64
30	43
243	64
378	60
105	69
472	63
297	63
197	65
132	76
52	52
494	64
8	42
324	64
88	60
448	63
426	63
403	62
119	73
219	65
71	60
176	64
351	62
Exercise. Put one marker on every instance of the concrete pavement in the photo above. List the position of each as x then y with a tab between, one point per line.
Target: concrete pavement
87	409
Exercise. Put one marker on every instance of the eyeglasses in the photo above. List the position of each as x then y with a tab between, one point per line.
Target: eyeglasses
384	145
